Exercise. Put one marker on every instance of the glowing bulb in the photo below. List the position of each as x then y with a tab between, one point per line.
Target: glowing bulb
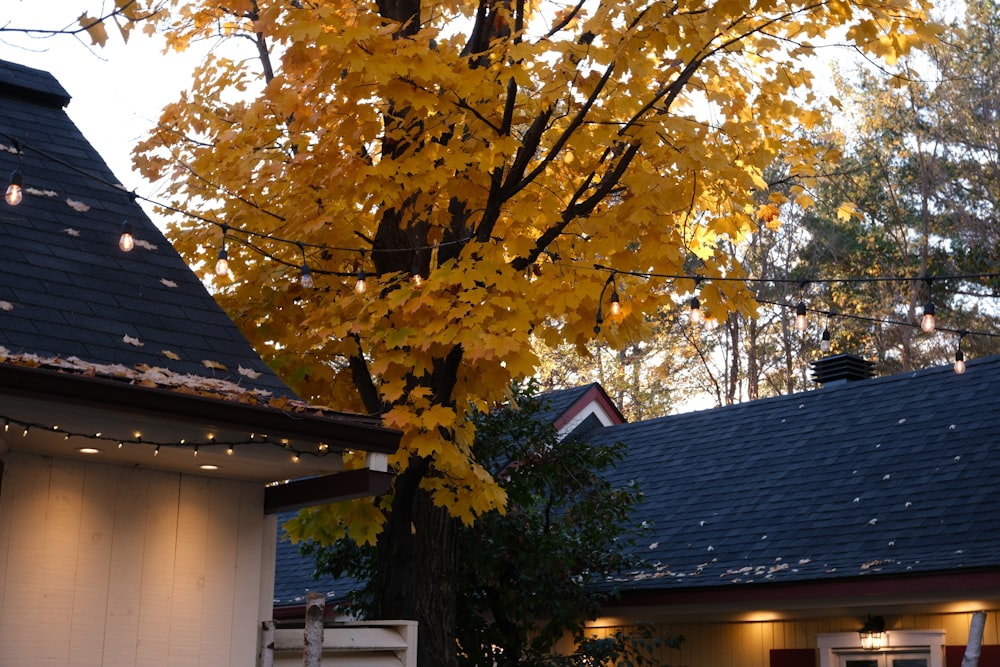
14	191
927	322
126	241
418	280
800	316
362	285
824	341
307	279
222	264
959	362
695	316
295	458
229	450
616	306
156	452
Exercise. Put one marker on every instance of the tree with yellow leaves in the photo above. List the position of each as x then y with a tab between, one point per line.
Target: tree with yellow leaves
494	170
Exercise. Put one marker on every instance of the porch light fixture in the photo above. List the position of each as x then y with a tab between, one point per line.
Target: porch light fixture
872	633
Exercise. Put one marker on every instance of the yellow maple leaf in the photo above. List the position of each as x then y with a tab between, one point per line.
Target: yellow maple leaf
95	28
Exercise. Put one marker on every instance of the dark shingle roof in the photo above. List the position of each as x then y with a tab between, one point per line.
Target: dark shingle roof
66	288
893	475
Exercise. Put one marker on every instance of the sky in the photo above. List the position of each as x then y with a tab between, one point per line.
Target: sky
117	91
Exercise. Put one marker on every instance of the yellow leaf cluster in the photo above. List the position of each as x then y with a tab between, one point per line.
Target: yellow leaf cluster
634	136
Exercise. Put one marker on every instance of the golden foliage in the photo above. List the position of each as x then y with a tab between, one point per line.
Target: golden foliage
503	163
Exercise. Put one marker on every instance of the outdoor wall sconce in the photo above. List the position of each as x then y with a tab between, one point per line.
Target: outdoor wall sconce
872	633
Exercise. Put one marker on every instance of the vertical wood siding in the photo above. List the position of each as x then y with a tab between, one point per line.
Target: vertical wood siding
105	565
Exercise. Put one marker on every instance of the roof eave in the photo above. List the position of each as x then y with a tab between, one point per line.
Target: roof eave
337	430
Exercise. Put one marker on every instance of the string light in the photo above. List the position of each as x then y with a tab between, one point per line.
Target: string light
222	261
306	279
824	340
360	285
126	241
801	322
322	449
15	193
415	276
928	322
616	307
959	355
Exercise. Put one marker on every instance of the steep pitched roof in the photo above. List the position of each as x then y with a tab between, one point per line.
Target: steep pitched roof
889	476
131	347
68	289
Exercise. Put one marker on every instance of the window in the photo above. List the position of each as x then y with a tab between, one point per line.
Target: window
902	648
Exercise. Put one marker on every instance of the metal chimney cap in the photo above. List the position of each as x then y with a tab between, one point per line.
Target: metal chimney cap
841	368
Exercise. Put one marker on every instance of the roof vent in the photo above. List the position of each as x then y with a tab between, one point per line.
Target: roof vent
840	369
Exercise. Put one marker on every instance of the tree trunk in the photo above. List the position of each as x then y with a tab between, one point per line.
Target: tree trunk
417	568
975	643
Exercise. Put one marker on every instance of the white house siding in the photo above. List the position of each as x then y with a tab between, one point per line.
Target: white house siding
108	565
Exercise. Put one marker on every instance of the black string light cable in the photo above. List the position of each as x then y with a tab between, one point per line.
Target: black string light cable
231	447
229	231
245	238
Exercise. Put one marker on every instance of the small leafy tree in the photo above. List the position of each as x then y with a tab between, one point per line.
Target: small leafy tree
535	574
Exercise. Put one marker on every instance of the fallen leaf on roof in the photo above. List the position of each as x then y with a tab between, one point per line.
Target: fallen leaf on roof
77	205
142	243
248	372
170	355
132	341
208	363
35	192
71	231
168	283
6	306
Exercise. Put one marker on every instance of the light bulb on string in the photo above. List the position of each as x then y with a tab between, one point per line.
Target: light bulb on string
305	277
222	261
800	316
928	322
616	306
695	314
824	340
362	284
15	193
959	355
126	241
415	276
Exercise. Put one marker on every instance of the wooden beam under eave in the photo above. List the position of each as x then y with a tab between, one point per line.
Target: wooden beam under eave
326	489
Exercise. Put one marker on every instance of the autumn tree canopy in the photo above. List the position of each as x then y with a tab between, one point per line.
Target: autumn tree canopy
523	159
500	150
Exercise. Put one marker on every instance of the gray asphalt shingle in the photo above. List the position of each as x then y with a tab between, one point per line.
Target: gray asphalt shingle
70	290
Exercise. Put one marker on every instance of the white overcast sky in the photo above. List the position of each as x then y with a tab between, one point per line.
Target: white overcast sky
117	91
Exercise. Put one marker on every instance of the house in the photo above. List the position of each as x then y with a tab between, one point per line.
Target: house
780	527
145	447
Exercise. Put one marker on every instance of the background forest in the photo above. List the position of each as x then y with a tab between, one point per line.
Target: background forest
914	151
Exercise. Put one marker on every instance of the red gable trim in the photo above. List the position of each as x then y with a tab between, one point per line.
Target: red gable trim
593	395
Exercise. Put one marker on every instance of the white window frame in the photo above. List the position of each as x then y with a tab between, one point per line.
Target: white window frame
831	644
